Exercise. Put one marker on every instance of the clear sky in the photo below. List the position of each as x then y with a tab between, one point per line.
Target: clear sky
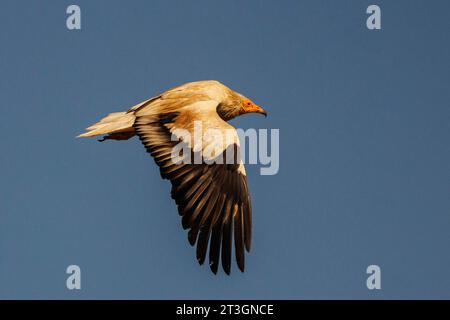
364	119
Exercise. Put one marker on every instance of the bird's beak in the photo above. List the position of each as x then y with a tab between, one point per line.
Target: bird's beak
255	109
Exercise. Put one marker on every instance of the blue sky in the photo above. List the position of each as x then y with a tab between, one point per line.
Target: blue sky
364	157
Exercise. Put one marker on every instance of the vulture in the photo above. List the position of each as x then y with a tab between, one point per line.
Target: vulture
212	196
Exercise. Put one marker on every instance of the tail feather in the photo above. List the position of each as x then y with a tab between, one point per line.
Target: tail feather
117	122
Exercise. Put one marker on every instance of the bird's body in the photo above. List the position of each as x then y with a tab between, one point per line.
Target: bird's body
212	196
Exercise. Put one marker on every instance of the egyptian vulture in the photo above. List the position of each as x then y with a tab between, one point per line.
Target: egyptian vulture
212	195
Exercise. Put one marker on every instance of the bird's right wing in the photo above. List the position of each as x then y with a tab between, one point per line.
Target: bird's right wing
212	197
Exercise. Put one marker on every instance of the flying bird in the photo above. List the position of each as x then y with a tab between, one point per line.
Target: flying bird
212	196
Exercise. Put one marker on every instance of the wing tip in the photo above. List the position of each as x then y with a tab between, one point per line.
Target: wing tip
192	237
241	264
214	267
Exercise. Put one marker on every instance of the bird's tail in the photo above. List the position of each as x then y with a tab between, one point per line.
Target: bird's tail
115	126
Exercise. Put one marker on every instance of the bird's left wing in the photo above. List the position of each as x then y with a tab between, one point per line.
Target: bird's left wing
212	194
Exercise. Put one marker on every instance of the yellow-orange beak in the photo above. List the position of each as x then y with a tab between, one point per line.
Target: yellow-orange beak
250	107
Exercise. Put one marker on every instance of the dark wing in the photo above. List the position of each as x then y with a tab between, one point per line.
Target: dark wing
213	199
